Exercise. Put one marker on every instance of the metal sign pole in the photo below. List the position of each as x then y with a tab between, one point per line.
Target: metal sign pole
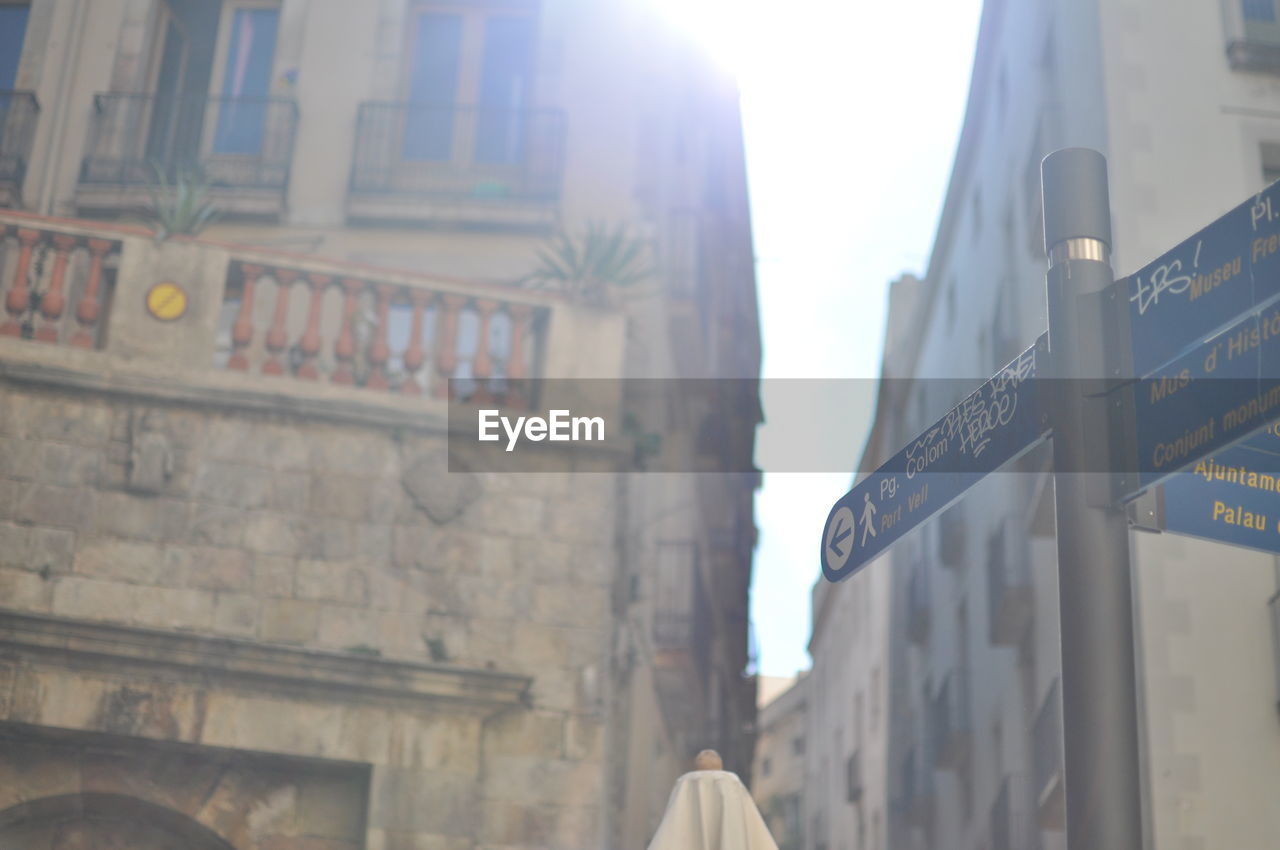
1099	691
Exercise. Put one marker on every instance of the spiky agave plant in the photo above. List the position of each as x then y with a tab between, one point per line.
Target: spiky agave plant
181	206
586	267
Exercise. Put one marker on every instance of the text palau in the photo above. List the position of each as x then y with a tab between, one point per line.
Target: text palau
558	426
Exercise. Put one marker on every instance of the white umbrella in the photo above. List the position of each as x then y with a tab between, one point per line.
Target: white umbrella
710	809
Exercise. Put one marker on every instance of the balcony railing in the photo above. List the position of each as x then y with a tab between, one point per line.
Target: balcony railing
455	154
1010	602
229	143
19	111
56	282
307	321
1253	34
949	722
1047	757
189	318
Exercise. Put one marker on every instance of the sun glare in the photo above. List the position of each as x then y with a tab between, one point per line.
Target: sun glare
723	28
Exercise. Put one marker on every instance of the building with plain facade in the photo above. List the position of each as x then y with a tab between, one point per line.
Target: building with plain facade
778	772
1184	100
244	602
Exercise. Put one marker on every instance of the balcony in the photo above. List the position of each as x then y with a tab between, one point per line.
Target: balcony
1047	755
308	320
57	281
240	147
949	721
19	111
918	613
453	164
207	323
1010	600
1253	35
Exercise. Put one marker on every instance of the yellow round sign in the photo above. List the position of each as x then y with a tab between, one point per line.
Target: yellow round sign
166	301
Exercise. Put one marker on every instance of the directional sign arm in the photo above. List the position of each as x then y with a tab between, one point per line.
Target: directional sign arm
998	421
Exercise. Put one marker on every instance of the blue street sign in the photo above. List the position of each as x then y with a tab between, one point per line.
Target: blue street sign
1232	496
1208	399
1205	283
994	424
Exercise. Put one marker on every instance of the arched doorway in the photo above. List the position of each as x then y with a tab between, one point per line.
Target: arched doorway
98	821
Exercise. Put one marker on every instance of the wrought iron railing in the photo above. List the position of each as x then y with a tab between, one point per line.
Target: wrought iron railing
228	142
458	152
19	111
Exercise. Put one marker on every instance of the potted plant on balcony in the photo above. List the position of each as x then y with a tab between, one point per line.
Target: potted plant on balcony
594	266
178	207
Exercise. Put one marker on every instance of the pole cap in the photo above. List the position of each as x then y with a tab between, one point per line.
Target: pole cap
1076	201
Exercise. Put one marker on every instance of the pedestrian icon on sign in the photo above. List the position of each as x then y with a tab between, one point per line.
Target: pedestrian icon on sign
868	518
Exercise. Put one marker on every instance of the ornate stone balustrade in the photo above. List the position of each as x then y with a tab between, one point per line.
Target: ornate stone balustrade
275	330
319	321
55	281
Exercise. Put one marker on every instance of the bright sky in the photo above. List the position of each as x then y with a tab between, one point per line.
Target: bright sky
851	113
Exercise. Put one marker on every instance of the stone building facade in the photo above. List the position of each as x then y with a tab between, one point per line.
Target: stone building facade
245	600
974	754
779	769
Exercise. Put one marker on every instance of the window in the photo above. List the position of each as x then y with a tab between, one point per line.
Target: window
797	746
853	778
1253	36
467	100
250	45
951	536
1270	162
766	767
211	76
13	30
1259	10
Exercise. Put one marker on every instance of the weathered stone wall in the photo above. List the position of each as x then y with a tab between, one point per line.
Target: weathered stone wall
296	533
278	531
67	794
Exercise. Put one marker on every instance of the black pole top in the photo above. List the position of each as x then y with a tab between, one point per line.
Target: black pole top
1076	203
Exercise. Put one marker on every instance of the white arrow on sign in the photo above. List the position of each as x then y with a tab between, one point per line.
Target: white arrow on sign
839	537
